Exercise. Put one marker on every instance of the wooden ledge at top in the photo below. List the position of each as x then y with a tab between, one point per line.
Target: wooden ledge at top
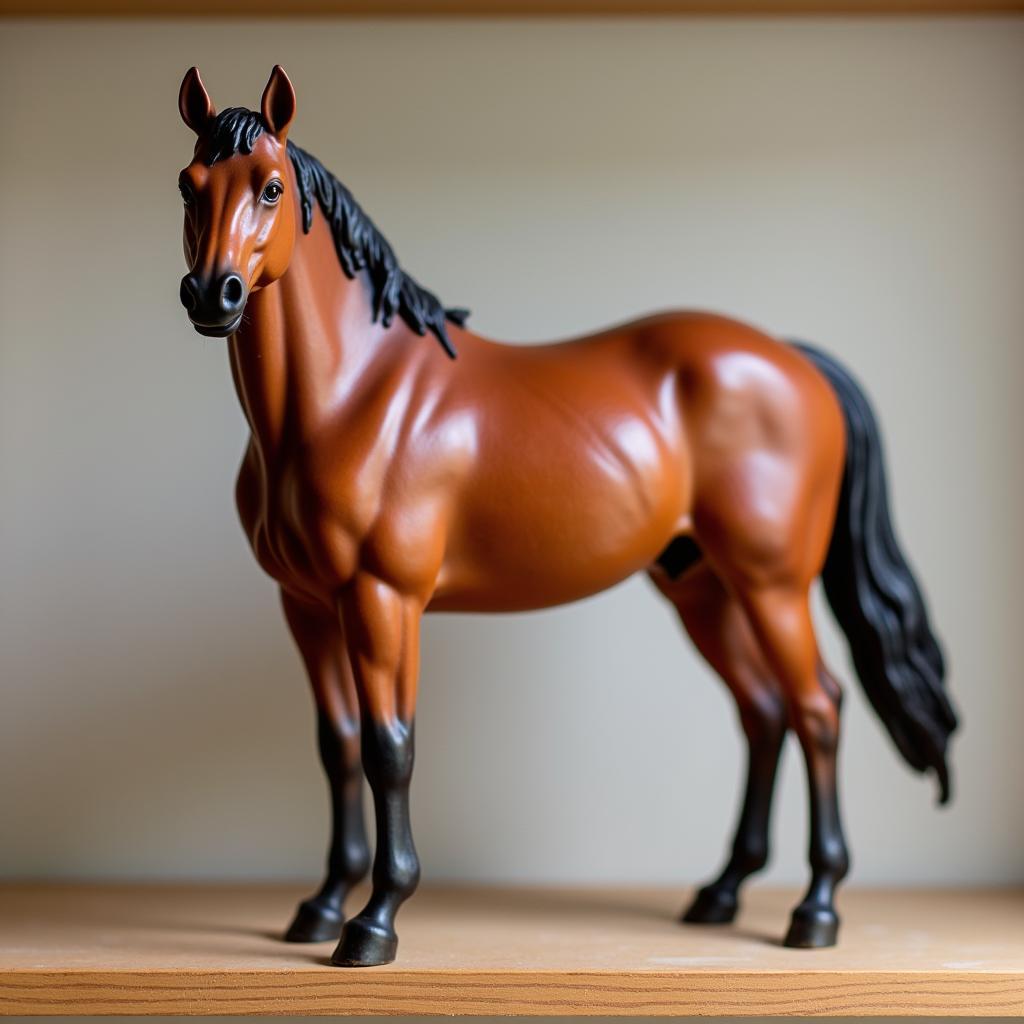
465	950
498	8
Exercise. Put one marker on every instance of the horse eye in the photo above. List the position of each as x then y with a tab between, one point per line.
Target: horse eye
188	196
272	192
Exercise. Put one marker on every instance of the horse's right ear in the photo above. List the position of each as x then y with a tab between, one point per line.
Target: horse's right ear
194	102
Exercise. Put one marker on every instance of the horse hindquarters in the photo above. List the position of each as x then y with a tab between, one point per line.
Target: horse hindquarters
761	642
768	467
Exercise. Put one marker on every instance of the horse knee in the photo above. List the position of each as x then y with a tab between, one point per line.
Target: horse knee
339	748
387	754
765	718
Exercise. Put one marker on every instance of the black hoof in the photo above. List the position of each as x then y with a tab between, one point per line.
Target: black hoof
812	928
712	906
314	923
365	944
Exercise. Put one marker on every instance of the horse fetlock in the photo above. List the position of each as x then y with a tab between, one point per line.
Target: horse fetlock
398	875
829	859
748	857
350	864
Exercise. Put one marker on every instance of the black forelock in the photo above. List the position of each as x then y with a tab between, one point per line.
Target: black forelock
357	240
234	130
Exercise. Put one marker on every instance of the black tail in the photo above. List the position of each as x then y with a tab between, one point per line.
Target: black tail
875	597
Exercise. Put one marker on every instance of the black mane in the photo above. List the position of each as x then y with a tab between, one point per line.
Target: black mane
360	246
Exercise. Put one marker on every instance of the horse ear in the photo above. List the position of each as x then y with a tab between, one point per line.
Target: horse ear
278	104
194	102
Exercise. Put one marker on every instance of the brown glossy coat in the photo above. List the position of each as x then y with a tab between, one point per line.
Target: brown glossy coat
383	479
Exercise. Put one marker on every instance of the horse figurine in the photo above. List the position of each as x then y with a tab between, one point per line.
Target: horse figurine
387	476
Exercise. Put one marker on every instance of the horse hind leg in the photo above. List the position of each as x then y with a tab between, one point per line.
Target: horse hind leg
781	619
718	626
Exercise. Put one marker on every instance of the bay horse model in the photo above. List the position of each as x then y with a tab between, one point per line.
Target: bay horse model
386	477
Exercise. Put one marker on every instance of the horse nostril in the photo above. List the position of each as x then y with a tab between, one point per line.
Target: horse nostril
189	293
232	292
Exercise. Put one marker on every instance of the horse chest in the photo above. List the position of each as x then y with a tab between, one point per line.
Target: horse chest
293	536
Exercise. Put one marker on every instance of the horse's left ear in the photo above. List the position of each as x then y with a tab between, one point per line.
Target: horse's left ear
278	105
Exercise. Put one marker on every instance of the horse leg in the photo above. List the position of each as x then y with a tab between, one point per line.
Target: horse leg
718	626
781	619
318	636
382	631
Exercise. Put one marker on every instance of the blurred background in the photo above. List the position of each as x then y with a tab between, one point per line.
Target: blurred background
854	183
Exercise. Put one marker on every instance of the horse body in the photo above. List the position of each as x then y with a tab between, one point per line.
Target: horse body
515	477
384	479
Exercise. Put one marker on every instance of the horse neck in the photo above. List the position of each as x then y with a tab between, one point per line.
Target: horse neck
306	338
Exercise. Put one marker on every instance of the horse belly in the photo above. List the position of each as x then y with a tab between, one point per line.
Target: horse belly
550	523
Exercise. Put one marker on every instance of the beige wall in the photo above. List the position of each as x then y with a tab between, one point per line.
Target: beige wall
855	183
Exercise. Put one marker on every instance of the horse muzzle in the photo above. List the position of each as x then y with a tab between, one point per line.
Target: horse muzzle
214	307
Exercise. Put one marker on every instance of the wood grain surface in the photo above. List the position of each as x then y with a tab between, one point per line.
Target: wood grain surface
466	950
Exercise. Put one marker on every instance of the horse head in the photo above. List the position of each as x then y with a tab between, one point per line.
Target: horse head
240	201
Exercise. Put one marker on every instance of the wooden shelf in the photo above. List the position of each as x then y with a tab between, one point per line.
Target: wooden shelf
214	950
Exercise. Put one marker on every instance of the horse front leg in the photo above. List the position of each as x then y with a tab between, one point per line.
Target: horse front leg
317	632
382	631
